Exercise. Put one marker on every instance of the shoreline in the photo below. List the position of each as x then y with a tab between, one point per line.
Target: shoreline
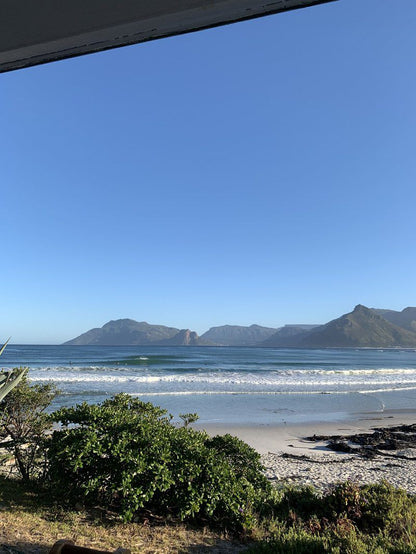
286	437
290	459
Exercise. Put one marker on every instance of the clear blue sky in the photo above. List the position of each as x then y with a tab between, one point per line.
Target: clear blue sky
262	172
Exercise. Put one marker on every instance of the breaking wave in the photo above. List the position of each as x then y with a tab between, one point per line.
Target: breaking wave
200	381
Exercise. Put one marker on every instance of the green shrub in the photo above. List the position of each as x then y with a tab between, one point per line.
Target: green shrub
10	379
126	455
349	519
384	505
23	424
189	418
245	461
291	540
345	500
376	508
299	503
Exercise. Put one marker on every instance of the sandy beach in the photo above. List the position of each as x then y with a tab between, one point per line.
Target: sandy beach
291	459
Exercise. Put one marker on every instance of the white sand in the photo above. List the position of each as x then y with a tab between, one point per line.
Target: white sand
324	467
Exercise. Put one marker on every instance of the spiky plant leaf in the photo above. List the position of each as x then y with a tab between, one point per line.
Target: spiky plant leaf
4	346
9	379
13	378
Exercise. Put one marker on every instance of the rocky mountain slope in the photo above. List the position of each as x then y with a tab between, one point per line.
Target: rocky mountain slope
288	335
185	337
238	335
125	332
406	318
363	327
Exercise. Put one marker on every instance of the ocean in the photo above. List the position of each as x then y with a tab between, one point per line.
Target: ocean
230	385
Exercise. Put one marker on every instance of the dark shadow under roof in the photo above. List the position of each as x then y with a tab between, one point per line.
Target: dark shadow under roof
39	31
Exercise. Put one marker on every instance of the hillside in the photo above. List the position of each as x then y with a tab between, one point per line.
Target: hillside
238	335
406	318
185	337
125	332
288	335
362	327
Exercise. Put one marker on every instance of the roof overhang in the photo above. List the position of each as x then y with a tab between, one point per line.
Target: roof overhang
39	31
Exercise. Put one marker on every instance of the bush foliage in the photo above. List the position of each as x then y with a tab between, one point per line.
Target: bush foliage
349	519
10	379
23	424
127	455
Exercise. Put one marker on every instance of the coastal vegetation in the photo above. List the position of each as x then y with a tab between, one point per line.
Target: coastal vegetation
126	465
128	456
24	427
9	379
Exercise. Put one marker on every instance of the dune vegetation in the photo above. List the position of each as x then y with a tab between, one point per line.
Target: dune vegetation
123	471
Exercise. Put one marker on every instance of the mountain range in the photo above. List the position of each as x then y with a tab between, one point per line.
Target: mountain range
238	335
406	318
363	327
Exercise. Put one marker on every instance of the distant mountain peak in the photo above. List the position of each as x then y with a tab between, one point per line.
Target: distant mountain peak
360	308
127	332
362	327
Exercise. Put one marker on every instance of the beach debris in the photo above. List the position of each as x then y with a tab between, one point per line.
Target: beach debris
305	458
382	441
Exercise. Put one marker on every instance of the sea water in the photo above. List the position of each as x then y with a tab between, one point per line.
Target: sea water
229	384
